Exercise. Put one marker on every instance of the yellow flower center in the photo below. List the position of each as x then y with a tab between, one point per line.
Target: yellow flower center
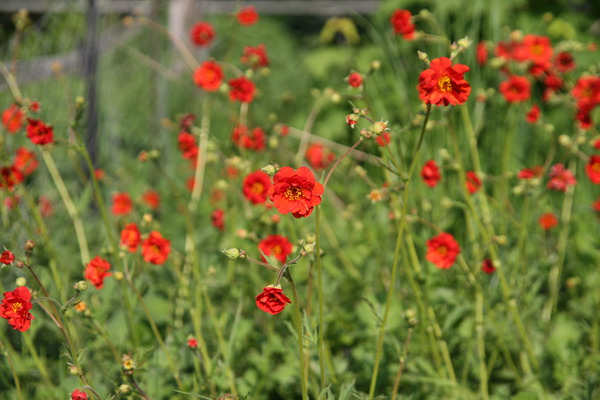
16	307
445	84
442	250
257	188
293	193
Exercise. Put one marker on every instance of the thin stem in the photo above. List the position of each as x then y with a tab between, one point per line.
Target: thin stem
337	162
321	335
12	370
298	323
483	375
181	47
402	363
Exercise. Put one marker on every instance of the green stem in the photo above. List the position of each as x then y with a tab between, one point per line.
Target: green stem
12	370
483	383
299	333
402	363
321	336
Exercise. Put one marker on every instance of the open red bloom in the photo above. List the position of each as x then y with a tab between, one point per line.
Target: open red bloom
516	89
78	395
443	83
122	204
560	178
151	198
442	250
7	257
96	270
246	139
241	89
187	145
473	182
9	177
155	248
318	156
208	76
295	192
38	132
277	246
15	308
355	80
533	114
548	221
430	173
131	237
256	186
217	219
487	266
25	161
402	24
12	118
538	49
247	16
202	33
255	57
272	300
593	169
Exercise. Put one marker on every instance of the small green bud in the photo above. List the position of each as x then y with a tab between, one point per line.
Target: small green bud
21	281
232	254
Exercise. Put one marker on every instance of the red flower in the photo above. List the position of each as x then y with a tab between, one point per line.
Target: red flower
487	266
9	177
25	161
34	106
593	169
318	156
202	34
245	139
564	62
79	395
218	219
256	186
529	173
99	174
402	24
442	250
355	80
534	114
130	237
38	132
208	76
7	257
295	192
481	53
255	57
241	89
187	145
383	139
247	16
272	300
96	270
155	248
15	308
443	83
538	49
122	204
560	178
431	173
548	221
151	198
45	206
352	119
12	118
516	89
192	343
473	182
277	246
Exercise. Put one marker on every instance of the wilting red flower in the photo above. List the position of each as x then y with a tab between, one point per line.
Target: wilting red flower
15	308
443	83
487	266
38	132
593	169
355	80
548	221
247	16
217	219
295	192
12	118
277	246
186	122
430	173
473	182
383	139
208	76
45	206
122	204
79	395
246	139
352	119
131	237
202	33
560	178
516	89
533	115
96	270
272	300
34	106
481	53
529	173
255	57
151	198
256	186
241	89
192	343
25	161
442	250
318	156
564	62
155	248
9	177
7	257
187	145
402	24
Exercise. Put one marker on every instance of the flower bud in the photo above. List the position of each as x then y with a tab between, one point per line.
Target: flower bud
123	389
29	246
464	43
309	247
360	171
118	275
423	57
273	142
21	281
375	65
232	254
379	127
73	370
81	286
352	119
270	170
128	364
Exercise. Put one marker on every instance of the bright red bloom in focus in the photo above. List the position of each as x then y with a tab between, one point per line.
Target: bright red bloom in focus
247	16
560	178
246	139
12	118
548	221
256	186
131	237
241	89
187	144
96	270
25	161
593	169
155	248
402	24
443	83
487	266
9	177
255	57
151	198
516	89
122	204
38	132
430	173
79	395
442	250
295	192
7	257
217	219
202	34
272	300
355	80
277	246
318	156
533	115
15	308
473	182
209	76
